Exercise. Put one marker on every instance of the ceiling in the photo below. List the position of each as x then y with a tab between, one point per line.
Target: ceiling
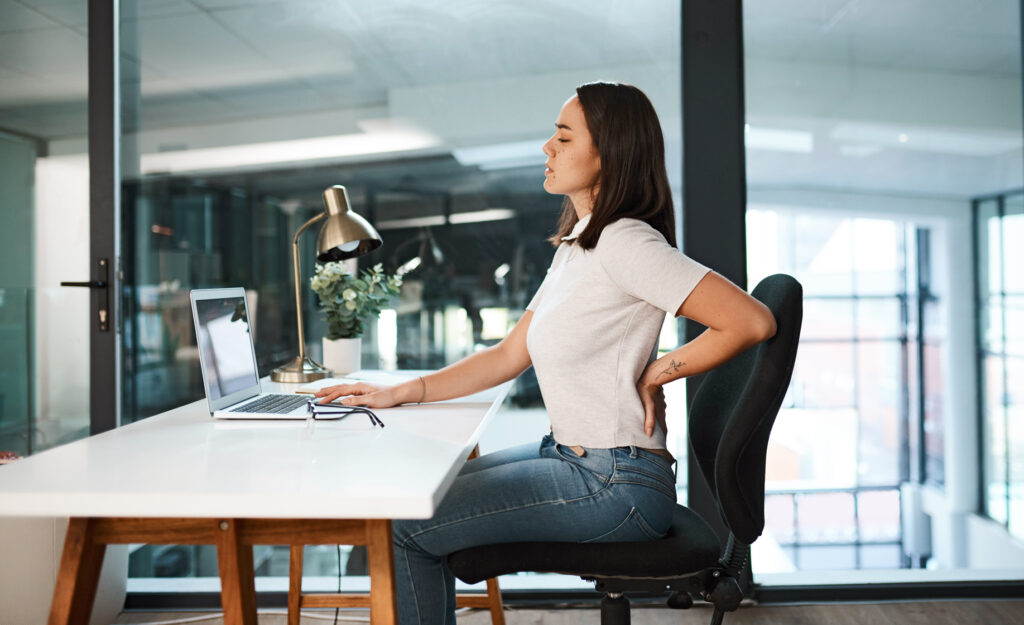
476	72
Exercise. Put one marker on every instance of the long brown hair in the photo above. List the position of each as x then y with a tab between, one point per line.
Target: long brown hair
632	183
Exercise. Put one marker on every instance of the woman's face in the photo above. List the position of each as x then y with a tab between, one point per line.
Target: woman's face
573	162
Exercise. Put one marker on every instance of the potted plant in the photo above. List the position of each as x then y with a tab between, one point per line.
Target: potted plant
348	303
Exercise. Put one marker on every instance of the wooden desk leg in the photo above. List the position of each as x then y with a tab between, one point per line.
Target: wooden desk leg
78	576
494	603
237	586
294	584
380	553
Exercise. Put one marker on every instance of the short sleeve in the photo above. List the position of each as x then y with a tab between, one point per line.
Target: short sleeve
642	263
537	296
559	255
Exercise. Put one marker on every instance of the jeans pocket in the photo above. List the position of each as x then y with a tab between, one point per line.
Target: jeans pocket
633	528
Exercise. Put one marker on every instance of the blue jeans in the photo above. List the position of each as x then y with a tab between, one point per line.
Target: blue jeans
529	493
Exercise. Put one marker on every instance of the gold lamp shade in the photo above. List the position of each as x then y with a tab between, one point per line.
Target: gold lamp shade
344	235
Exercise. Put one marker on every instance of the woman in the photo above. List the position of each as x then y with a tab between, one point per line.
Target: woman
603	473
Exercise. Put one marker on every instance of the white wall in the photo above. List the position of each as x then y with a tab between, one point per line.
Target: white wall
62	314
989	546
30	550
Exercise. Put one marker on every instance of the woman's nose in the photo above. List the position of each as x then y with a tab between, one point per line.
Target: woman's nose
546	148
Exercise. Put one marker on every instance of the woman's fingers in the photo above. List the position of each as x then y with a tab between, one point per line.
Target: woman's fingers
328	390
360	394
653	400
330	396
375	397
649	413
660	409
330	393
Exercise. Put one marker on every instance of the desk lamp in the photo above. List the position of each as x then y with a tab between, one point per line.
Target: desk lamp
344	235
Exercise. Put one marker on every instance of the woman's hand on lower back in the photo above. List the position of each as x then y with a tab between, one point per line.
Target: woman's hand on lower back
653	399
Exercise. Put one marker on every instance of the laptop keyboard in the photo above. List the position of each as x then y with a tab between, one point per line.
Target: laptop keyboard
274	404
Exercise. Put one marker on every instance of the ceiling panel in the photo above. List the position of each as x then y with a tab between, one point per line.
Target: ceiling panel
198	52
15	16
52	55
302	39
66	12
969	54
231	59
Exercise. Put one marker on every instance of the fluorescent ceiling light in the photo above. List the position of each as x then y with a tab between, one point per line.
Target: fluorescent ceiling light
297	150
410	222
470	217
778	139
502	155
965	142
862	150
490	214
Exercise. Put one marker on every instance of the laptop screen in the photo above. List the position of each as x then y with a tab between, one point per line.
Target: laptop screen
225	346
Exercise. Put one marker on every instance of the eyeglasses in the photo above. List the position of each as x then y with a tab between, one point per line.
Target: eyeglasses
334	411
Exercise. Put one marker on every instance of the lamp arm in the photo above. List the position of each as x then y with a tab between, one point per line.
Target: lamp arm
298	295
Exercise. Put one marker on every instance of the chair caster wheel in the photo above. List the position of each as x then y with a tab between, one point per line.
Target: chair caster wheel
615	610
726	595
680	601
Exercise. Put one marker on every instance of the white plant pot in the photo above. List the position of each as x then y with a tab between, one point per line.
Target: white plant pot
343	355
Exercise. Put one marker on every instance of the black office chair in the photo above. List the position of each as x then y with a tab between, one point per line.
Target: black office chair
729	423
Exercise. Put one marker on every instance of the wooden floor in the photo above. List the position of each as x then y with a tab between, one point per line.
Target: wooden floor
989	612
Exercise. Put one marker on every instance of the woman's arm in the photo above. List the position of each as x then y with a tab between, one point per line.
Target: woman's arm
476	372
735	321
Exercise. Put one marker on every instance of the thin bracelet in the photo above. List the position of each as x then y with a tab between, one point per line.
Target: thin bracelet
424	393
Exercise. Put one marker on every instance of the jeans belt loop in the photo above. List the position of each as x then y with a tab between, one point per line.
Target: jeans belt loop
632	451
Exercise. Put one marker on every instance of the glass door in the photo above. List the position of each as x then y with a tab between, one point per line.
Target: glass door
44	229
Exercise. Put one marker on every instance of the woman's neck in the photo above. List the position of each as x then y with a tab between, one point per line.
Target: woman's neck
583	203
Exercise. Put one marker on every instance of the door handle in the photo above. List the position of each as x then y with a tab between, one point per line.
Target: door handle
102	313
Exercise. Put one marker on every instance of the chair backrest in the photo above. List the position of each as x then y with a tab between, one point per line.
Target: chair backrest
732	412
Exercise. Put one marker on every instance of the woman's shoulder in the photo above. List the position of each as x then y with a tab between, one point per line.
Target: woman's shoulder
629	230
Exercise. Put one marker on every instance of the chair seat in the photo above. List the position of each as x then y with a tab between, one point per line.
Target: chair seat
689	546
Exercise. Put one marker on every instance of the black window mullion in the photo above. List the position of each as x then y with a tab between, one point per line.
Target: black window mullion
104	214
714	173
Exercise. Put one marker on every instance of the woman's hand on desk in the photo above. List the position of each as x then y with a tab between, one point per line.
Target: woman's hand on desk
360	394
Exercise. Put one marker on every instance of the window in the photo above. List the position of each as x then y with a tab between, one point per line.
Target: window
869	133
999	224
839	449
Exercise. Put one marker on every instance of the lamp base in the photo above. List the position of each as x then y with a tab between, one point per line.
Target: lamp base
300	370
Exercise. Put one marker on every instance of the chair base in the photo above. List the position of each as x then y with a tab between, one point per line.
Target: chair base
717	586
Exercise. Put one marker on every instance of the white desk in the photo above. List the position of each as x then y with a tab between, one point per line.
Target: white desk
182	477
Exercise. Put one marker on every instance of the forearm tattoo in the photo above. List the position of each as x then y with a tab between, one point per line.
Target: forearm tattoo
672	368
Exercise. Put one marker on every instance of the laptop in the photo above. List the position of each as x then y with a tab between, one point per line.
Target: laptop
228	360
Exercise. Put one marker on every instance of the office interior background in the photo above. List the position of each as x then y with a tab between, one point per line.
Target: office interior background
884	169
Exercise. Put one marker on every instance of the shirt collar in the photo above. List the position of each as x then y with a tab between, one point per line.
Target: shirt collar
578	228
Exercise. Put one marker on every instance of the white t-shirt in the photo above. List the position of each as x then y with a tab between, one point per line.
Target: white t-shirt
596	321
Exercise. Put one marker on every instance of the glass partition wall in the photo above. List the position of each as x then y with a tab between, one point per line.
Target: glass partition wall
871	130
44	229
431	114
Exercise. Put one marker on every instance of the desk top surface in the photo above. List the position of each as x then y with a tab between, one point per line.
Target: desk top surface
183	463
